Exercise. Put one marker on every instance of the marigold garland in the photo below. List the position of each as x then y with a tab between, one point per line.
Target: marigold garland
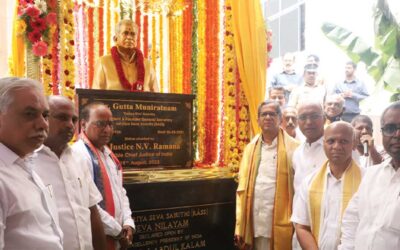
187	48
47	64
175	45
67	54
212	90
161	43
230	156
90	42
108	35
201	80
153	43
100	14
146	34
138	16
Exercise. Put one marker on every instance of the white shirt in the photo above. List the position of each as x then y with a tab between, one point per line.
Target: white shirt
372	218
264	190
123	213
75	193
306	159
305	93
329	233
28	214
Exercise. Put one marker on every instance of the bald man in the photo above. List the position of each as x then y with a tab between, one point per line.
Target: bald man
372	219
72	185
325	193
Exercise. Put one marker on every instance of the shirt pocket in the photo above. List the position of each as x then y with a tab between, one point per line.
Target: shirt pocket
393	216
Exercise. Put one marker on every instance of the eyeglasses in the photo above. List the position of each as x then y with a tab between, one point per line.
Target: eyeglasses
103	124
312	117
390	129
270	114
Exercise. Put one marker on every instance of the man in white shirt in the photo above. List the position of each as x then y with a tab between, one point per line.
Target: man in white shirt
309	90
264	194
365	147
372	219
310	154
106	170
28	213
325	194
76	194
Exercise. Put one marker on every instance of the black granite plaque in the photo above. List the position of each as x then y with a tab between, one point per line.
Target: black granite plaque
182	215
151	130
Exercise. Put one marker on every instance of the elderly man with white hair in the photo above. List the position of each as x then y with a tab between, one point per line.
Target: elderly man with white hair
28	213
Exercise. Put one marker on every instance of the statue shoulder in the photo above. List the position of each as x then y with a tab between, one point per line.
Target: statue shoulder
105	59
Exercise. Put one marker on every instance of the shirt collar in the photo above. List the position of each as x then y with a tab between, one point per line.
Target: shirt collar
273	143
320	141
47	151
7	155
352	81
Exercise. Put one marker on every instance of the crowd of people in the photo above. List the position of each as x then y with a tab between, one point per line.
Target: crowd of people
298	88
330	188
58	196
53	195
312	179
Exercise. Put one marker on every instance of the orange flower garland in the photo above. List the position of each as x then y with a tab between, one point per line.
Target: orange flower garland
137	20
100	13
108	35
187	48
175	44
212	90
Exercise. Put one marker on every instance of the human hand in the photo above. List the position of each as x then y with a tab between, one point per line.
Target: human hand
348	93
128	233
367	138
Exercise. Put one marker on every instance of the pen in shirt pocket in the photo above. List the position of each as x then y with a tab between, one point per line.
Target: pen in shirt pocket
80	182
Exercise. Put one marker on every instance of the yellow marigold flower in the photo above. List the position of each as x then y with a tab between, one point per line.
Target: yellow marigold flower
21	27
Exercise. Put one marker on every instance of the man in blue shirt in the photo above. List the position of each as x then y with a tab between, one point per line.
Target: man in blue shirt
353	91
288	78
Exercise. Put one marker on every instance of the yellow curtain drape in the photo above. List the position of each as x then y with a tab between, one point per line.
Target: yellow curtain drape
16	61
250	46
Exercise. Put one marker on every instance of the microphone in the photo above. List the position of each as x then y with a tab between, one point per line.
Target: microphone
365	147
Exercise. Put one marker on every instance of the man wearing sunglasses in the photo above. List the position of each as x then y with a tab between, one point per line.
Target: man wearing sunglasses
97	130
372	219
68	181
